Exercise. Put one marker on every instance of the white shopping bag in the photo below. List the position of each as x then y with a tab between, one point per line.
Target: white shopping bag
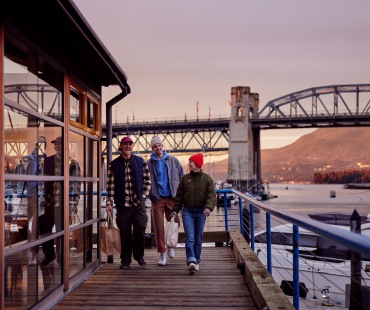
171	234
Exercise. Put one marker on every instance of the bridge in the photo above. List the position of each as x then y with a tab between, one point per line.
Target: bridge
237	134
324	106
180	135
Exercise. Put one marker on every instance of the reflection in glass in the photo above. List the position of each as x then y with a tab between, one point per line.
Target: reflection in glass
91	114
74	104
24	285
33	84
76	150
92	159
76	251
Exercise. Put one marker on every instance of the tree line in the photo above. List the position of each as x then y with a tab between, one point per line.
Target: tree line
342	177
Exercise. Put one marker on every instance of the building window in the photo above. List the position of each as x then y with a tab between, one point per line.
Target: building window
34	129
83	110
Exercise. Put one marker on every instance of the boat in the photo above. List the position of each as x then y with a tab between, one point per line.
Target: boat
230	197
261	189
333	218
255	197
325	265
357	186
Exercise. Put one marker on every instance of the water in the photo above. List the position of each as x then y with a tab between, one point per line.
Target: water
303	199
313	198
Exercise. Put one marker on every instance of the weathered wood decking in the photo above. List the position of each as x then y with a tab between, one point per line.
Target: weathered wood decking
218	284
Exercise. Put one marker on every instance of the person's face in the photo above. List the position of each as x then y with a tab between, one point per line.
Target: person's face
192	166
158	149
57	148
24	162
126	148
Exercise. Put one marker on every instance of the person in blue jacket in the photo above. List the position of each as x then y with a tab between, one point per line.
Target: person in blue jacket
165	173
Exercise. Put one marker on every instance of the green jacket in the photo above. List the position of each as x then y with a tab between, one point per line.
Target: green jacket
196	189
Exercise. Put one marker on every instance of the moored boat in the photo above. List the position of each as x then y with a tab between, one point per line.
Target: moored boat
324	265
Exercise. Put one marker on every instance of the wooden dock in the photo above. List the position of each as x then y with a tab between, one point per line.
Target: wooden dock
218	284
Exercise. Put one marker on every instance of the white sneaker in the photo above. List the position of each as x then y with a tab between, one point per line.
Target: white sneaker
171	253
196	267
33	259
162	259
191	268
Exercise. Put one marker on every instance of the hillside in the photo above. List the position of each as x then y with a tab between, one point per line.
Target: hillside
322	150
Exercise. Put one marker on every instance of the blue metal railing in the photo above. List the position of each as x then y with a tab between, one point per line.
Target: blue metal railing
354	242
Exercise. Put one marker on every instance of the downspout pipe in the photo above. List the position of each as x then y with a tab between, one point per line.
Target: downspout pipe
109	106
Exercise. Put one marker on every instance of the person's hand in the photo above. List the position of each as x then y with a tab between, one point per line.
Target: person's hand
109	208
173	214
73	208
206	212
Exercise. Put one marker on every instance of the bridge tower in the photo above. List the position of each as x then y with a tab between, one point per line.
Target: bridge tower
244	143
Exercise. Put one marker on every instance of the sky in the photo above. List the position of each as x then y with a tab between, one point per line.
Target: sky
176	53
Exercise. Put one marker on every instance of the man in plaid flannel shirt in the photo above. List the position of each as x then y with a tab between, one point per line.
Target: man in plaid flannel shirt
128	185
53	199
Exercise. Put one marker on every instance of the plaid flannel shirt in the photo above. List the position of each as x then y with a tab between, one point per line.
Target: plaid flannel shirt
74	186
130	188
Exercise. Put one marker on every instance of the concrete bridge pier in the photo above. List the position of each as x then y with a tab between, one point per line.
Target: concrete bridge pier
244	145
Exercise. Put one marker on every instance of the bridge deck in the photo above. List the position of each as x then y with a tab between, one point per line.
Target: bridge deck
218	284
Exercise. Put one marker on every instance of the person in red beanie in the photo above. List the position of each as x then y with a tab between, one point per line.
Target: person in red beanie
196	197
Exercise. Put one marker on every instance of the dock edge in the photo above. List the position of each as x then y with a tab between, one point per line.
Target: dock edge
265	290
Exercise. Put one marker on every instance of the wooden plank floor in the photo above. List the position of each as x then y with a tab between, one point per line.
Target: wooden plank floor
218	284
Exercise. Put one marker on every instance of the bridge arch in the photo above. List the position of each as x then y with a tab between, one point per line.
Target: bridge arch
335	105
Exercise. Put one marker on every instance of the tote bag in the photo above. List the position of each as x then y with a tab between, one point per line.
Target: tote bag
171	233
110	238
76	236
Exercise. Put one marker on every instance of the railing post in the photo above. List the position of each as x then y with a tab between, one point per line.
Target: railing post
356	290
241	217
268	233
225	212
296	267
251	215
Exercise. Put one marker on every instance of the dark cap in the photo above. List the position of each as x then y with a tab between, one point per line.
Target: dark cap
57	139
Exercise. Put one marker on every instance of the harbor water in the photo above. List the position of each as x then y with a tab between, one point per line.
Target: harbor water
307	199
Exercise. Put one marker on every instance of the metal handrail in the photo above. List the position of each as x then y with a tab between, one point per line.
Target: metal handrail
356	242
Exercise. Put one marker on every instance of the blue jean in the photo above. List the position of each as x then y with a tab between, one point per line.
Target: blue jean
193	220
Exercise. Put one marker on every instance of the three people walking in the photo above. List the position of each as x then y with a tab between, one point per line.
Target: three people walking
131	180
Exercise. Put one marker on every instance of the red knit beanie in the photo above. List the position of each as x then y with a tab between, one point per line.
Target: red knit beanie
197	159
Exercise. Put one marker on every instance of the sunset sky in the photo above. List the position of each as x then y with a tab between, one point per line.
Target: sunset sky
178	52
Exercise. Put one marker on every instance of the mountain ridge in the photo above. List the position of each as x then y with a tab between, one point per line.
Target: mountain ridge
325	149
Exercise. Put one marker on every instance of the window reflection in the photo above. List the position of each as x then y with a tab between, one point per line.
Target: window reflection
34	202
74	103
31	82
76	251
24	285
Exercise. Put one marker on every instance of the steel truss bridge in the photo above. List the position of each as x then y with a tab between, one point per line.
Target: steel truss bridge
179	136
325	106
